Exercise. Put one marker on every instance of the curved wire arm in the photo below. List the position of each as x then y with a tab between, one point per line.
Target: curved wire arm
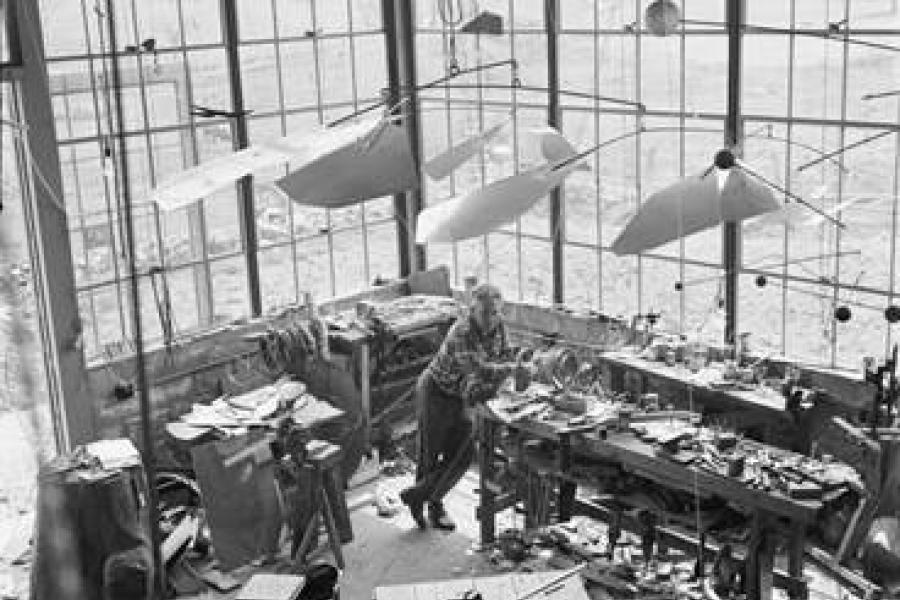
533	88
833	33
840	151
757	269
752	172
875	95
511	62
662	129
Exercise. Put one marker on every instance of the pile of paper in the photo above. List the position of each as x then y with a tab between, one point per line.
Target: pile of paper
249	409
114	454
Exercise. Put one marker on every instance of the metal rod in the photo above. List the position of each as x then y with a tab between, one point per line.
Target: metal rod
875	95
750	171
752	270
554	119
731	230
142	383
390	100
231	39
825	35
843	149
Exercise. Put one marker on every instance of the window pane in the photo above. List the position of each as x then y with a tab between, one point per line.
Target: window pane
230	295
276	277
260	78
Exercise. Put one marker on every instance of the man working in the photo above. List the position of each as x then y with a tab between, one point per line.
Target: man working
469	367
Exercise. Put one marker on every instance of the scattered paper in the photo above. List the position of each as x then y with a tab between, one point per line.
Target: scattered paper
270	586
114	454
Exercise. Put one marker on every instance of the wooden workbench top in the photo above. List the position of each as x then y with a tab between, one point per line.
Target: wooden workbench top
641	458
763	399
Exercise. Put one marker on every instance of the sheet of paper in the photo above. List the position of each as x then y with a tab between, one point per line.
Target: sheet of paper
119	453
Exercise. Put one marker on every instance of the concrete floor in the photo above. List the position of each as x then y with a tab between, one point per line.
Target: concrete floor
393	550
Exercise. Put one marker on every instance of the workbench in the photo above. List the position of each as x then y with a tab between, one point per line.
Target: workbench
769	508
760	411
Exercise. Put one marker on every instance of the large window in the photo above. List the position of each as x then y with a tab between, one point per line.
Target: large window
802	98
301	64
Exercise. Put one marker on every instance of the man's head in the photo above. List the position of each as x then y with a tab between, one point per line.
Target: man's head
486	307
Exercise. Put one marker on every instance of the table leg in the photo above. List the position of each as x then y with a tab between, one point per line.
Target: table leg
300	548
759	575
567	489
487	431
795	556
365	392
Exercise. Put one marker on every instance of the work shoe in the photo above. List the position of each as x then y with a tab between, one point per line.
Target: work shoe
439	517
415	505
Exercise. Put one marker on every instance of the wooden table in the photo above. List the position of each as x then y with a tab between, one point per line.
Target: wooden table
639	457
760	410
498	587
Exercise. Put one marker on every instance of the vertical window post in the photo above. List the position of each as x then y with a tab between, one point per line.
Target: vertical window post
731	230
399	35
554	119
241	140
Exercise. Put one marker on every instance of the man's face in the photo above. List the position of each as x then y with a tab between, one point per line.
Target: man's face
487	310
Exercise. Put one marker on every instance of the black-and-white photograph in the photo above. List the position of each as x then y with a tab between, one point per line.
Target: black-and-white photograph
449	299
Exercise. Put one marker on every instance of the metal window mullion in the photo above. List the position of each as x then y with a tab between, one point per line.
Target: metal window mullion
196	213
894	210
845	63
455	245
514	101
79	201
482	166
295	269
788	163
638	172
598	204
148	139
321	113
122	308
240	140
355	95
731	230
554	119
141	379
682	144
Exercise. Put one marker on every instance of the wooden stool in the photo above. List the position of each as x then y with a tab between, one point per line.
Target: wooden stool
322	461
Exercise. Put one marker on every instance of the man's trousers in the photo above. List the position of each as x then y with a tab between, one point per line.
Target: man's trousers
446	444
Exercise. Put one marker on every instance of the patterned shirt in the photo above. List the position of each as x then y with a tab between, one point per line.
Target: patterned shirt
467	366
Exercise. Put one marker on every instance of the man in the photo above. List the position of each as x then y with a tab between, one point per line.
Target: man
469	367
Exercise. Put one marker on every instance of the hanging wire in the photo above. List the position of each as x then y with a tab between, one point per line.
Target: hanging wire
451	13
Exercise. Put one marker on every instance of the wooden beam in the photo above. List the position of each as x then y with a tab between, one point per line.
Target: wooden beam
51	254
